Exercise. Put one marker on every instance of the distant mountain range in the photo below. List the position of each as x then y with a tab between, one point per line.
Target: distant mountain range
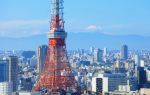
79	40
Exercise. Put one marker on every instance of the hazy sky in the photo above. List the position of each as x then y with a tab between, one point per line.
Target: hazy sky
20	18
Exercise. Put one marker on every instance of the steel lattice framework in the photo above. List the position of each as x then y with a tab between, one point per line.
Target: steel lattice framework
56	74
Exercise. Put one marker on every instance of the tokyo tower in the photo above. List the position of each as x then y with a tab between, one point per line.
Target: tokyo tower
56	74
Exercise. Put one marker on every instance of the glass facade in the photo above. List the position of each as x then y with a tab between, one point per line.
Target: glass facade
3	71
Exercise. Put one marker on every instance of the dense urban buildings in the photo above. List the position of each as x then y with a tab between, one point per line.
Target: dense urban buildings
115	76
52	70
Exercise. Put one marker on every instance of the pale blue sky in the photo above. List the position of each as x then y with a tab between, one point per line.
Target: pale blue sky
20	18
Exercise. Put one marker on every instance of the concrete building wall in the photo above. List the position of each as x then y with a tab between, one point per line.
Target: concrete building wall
94	84
5	88
105	84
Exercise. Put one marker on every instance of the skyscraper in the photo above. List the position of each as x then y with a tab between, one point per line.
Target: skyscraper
5	85
91	50
41	57
124	52
98	55
137	60
3	70
105	54
13	72
140	73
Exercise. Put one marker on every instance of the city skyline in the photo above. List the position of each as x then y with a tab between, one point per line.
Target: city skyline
103	48
116	22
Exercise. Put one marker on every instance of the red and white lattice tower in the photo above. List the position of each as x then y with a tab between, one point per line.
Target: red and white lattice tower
56	74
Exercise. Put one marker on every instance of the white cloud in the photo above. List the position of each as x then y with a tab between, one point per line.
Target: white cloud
94	28
21	28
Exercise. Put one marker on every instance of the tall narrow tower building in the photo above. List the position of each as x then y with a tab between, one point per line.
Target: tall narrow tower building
5	85
56	75
124	52
98	55
41	57
13	72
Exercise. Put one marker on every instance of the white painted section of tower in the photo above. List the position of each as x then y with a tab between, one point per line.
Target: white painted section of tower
57	34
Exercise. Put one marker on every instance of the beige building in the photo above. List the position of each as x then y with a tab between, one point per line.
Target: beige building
145	91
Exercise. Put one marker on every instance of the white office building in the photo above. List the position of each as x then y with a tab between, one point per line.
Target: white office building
142	63
137	60
108	82
5	88
105	54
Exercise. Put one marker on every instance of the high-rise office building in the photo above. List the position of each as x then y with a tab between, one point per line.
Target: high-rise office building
13	72
137	60
108	82
97	85
124	52
91	50
3	70
41	57
133	83
26	83
98	54
119	67
5	85
105	54
33	61
148	75
140	73
142	63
